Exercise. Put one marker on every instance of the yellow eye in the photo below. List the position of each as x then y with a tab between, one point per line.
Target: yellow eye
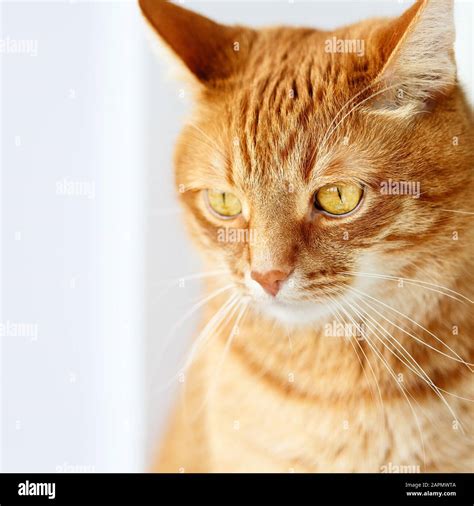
339	198
224	204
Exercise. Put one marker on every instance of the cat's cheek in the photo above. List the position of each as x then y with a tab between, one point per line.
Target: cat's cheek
227	238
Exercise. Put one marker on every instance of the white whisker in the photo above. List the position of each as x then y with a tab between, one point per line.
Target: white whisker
402	389
386	332
210	327
228	344
383	90
187	315
455	211
342	108
424	376
413	281
213	144
458	359
171	283
382	405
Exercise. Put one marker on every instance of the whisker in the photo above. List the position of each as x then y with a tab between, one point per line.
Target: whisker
455	211
335	312
458	359
383	90
413	281
342	108
171	283
225	315
424	376
402	389
192	310
212	144
386	332
228	344
199	275
187	315
428	380
203	337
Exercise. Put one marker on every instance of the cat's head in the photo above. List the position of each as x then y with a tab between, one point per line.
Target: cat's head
313	157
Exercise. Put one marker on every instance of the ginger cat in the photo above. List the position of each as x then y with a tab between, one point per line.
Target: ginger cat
326	179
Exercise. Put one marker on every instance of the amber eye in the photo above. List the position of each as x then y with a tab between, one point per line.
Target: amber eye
338	198
226	205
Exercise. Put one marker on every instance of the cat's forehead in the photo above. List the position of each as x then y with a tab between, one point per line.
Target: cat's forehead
303	66
284	148
281	113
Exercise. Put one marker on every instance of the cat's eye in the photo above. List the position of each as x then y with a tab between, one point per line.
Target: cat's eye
338	199
225	204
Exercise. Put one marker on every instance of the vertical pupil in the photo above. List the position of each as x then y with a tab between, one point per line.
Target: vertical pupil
223	198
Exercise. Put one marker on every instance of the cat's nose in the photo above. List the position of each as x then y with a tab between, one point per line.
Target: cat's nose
271	280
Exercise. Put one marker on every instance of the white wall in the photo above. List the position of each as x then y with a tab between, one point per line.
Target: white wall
72	264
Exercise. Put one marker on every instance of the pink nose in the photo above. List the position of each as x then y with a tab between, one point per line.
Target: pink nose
270	281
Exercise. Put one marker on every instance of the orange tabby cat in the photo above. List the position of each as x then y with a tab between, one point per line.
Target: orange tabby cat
328	176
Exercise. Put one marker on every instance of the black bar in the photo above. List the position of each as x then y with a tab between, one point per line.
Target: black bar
239	489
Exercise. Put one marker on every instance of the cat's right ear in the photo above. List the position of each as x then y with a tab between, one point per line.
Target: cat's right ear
210	51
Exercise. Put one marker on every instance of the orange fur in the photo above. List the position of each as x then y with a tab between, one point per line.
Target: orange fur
274	122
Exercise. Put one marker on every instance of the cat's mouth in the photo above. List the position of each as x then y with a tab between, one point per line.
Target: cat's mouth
294	312
291	305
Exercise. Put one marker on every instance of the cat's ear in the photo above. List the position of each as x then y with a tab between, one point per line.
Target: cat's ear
210	51
419	57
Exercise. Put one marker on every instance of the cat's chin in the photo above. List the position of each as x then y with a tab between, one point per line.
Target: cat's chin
296	314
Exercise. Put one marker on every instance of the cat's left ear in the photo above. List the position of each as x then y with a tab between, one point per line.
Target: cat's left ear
420	65
209	51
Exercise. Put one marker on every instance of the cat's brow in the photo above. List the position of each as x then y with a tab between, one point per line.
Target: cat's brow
201	182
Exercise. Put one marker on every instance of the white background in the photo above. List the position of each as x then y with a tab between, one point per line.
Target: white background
94	275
